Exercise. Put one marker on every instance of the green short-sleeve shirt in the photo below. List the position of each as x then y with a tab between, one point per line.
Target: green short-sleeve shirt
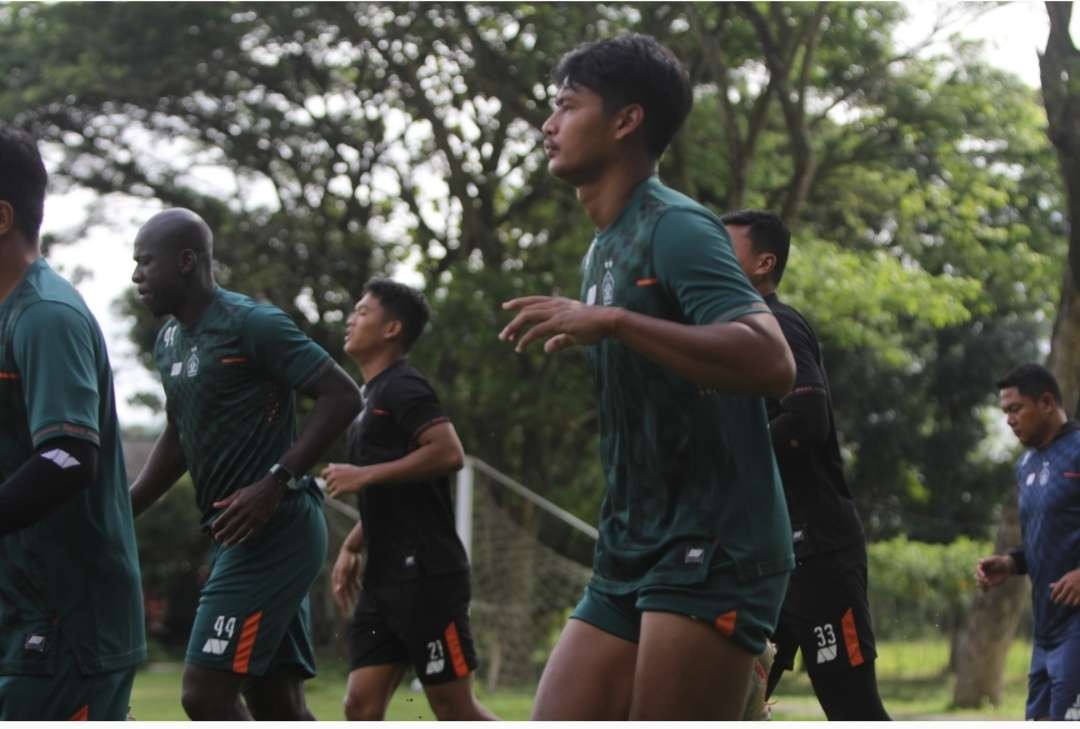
692	483
72	577
229	384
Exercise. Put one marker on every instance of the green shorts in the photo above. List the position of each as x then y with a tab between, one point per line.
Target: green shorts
254	617
746	611
67	695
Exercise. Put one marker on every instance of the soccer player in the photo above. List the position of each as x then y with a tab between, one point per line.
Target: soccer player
826	613
230	366
1047	478
71	616
414	606
694	550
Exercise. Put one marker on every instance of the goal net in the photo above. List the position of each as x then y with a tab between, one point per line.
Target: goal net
530	563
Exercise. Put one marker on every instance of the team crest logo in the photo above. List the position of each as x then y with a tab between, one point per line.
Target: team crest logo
607	286
191	367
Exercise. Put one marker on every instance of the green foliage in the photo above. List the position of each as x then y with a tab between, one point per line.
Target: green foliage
348	139
873	301
920	590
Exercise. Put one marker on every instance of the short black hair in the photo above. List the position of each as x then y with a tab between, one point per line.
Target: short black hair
767	233
22	179
1032	380
403	303
633	69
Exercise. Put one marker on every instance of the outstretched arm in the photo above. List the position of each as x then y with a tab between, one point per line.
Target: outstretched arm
439	453
164	466
337	401
746	355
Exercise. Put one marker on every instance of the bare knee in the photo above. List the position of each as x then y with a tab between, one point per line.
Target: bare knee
456	702
359	707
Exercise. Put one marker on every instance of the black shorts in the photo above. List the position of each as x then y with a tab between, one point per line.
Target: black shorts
826	614
423	623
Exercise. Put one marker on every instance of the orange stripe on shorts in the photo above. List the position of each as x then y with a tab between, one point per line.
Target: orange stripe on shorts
726	623
646	281
851	638
233	360
9	375
457	658
82	714
246	644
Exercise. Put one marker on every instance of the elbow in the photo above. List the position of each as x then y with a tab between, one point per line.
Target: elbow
455	460
779	377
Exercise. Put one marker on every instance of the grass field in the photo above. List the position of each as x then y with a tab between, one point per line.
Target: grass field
911	676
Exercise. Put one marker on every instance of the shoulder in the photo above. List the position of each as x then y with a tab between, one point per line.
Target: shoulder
790	318
407	379
51	316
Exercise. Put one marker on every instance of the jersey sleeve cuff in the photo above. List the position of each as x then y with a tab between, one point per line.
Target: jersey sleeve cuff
68	430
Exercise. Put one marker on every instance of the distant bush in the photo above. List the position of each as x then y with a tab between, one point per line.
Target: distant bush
920	590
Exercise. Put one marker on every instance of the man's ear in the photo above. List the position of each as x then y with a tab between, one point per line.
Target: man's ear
393	329
766	263
7	217
628	120
188	260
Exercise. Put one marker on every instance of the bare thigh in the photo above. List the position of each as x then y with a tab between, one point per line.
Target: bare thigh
687	670
589	676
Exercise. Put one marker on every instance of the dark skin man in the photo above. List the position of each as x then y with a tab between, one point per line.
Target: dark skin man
173	273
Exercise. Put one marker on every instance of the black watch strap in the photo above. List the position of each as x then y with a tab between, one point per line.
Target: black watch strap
284	476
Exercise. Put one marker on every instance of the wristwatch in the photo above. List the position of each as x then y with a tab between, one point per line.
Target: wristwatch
284	477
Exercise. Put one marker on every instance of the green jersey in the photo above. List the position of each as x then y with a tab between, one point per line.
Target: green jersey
72	578
692	484
229	384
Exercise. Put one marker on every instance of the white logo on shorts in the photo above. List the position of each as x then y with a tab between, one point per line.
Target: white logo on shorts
35	643
436	658
215	646
827	644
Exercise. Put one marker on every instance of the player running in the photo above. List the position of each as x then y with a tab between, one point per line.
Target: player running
71	617
695	547
230	366
1047	477
826	613
414	606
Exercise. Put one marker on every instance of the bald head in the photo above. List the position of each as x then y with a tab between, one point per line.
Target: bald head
176	229
173	260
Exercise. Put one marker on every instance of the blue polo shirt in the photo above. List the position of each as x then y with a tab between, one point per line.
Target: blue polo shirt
1048	481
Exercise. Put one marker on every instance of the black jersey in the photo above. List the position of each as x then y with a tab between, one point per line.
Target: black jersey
408	527
823	515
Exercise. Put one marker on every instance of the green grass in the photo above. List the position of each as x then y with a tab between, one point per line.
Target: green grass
911	676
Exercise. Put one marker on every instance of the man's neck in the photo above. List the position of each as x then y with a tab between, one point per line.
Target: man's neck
605	197
15	257
1058	422
371	367
195	304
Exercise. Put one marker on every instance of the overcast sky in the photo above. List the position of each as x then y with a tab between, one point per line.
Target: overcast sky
1014	34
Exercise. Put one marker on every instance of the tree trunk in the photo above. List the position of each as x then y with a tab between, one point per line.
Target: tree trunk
992	623
984	641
